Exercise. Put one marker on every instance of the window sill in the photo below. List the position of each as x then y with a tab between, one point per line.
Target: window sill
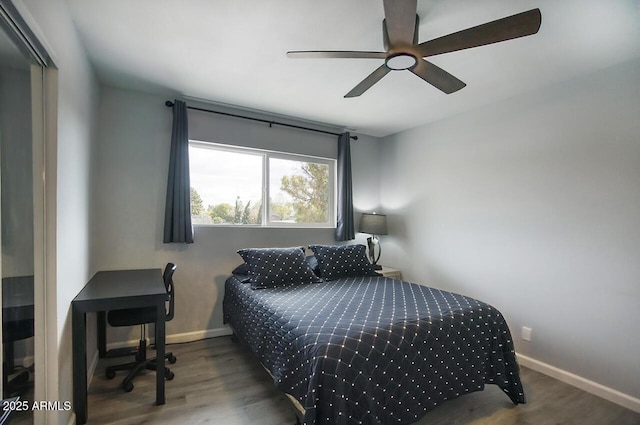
251	226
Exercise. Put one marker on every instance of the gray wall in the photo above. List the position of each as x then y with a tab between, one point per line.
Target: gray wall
533	206
129	193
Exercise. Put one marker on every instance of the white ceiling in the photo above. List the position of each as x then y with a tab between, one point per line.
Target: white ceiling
233	52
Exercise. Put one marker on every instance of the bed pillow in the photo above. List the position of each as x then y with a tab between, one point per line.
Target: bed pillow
271	267
242	269
336	261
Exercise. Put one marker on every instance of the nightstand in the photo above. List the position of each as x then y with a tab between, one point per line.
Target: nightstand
390	272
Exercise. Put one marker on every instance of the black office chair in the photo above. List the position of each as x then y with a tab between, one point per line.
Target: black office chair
12	331
17	324
142	316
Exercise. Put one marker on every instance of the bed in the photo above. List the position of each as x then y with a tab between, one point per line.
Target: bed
354	347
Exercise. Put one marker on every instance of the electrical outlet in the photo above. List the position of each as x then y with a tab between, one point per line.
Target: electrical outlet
526	333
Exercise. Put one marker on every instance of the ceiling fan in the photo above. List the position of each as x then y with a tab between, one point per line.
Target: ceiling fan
403	52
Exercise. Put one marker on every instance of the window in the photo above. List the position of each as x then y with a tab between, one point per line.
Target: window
229	186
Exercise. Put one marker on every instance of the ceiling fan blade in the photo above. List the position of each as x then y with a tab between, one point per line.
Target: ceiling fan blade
400	19
437	77
515	26
366	84
323	54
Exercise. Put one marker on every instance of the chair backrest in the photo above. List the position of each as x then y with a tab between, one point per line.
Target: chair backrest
168	284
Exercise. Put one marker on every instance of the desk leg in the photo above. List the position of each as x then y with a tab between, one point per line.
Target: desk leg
160	351
79	348
102	334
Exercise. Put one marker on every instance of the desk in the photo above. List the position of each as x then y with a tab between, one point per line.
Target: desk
17	324
111	290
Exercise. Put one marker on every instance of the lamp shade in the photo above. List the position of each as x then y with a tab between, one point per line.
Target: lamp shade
374	224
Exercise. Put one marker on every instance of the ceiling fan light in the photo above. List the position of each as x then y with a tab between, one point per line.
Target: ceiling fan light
401	61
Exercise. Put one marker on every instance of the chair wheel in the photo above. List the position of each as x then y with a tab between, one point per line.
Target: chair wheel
168	375
172	359
110	374
127	386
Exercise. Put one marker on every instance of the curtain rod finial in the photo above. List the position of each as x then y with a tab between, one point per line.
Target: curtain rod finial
168	103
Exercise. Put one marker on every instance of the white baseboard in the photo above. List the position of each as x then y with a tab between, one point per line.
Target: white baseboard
197	335
584	384
179	338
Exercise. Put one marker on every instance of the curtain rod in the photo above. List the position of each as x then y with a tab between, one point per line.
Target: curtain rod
270	122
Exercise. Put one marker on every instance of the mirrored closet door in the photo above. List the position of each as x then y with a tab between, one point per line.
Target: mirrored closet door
20	66
16	219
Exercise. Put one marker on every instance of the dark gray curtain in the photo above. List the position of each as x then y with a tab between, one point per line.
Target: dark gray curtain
345	229
177	213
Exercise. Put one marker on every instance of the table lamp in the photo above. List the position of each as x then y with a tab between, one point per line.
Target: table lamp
374	224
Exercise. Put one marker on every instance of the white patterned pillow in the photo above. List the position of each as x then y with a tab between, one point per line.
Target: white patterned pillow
270	267
336	261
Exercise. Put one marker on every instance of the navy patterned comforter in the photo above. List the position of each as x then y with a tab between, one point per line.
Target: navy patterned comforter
373	350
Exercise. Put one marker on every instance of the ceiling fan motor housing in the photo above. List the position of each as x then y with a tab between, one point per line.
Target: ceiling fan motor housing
401	61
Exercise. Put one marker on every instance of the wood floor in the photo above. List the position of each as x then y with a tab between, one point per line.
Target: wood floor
217	381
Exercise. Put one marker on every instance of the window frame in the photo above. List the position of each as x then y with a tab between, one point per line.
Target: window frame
265	155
